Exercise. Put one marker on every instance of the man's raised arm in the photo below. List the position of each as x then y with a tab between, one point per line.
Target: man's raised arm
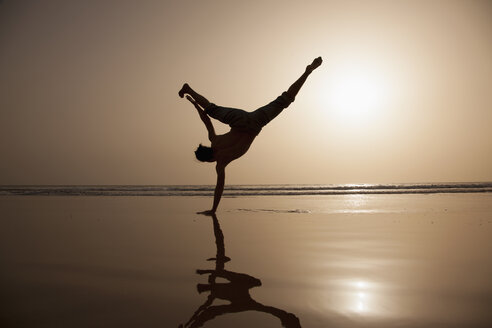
204	117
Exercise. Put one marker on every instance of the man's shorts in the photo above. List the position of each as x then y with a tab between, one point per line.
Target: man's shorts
250	122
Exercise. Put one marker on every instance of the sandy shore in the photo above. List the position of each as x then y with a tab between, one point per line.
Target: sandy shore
331	261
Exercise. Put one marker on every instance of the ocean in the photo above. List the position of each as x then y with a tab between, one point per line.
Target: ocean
245	190
311	256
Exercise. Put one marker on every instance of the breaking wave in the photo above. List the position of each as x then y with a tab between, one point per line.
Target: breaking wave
248	190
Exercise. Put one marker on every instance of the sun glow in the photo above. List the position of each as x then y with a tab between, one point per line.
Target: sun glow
357	94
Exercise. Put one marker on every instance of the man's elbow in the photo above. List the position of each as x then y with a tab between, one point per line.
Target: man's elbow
220	170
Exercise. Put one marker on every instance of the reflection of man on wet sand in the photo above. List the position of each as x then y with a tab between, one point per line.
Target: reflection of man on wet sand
235	290
245	126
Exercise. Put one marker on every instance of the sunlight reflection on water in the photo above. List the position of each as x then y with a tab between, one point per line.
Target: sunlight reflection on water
358	298
362	297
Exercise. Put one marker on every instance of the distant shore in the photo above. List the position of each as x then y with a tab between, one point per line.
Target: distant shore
248	190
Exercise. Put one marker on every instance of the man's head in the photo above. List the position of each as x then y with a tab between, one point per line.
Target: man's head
204	154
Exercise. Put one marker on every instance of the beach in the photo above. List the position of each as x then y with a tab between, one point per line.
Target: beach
382	260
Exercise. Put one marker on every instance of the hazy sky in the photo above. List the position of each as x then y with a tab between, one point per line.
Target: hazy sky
88	90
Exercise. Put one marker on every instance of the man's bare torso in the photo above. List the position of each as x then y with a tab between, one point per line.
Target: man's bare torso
232	145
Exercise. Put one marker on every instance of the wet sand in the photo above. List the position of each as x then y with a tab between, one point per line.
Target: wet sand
329	261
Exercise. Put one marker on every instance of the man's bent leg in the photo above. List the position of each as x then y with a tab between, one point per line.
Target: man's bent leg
201	100
229	116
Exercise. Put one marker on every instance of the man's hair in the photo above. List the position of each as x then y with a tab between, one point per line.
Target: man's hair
204	154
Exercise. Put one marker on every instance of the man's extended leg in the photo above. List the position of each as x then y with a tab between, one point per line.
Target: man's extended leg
265	114
201	100
296	86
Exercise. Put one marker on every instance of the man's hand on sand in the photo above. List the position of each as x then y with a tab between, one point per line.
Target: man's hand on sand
314	65
208	213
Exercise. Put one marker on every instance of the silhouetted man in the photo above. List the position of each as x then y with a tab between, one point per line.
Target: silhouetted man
245	126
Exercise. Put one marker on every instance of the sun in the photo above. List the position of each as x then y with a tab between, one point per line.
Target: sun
357	94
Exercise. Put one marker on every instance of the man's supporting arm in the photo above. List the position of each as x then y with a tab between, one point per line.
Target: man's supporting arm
219	189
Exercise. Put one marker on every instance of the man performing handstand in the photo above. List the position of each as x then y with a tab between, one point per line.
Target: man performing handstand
245	126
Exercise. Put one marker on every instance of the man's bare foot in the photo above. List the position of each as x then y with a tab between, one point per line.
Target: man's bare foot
184	90
314	65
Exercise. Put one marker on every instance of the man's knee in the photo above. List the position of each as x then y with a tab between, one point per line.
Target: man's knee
286	99
211	109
